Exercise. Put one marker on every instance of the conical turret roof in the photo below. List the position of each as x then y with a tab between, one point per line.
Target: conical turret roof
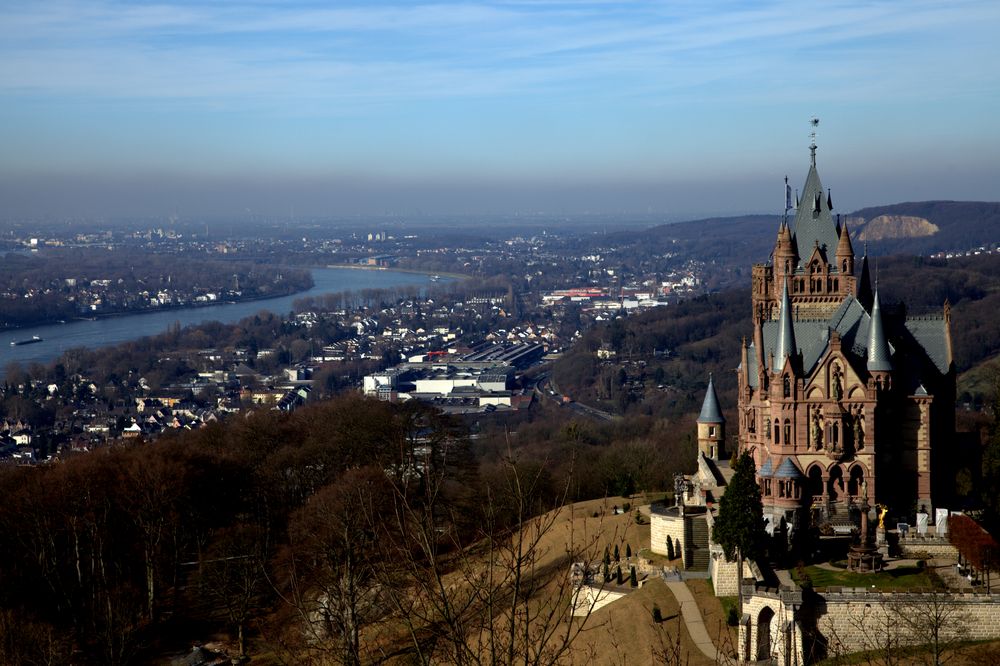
879	356
844	247
865	296
710	412
786	332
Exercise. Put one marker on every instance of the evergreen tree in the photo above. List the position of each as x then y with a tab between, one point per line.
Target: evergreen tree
628	551
633	580
607	557
670	548
618	575
739	527
617	554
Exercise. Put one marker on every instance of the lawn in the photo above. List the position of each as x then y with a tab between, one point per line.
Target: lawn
903	578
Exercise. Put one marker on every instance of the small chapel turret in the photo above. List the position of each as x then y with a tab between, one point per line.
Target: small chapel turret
711	424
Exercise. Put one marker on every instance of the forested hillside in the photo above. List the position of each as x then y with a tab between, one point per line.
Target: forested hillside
311	537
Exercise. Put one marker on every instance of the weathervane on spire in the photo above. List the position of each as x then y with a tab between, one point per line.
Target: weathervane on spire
814	121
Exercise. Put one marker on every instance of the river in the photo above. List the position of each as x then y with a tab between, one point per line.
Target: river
106	331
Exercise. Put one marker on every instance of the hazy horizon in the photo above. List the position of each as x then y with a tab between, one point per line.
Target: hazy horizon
677	109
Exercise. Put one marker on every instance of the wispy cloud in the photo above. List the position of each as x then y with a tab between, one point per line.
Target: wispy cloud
228	53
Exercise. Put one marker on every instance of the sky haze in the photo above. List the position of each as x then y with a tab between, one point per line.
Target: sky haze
365	108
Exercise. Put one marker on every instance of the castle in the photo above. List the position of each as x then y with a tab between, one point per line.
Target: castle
841	398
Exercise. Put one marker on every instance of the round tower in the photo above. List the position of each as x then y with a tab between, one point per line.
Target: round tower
711	425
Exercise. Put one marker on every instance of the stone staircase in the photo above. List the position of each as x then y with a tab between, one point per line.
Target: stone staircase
699	544
840	520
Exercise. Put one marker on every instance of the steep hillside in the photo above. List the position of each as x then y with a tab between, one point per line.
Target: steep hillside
885	227
926	227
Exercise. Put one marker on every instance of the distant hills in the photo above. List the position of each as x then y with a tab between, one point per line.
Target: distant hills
920	227
926	227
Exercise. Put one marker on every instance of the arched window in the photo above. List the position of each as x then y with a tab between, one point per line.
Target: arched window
777	431
788	432
836	435
844	268
815	481
767	427
856	481
786	386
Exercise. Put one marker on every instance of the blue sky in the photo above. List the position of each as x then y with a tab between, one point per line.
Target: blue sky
340	108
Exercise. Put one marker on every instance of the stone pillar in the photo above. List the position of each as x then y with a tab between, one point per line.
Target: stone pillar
923	444
744	652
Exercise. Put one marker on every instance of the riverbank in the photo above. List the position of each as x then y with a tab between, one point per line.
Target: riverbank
394	269
128	326
163	308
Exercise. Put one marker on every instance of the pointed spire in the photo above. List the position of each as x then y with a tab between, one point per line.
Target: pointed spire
844	248
786	333
864	293
878	347
710	412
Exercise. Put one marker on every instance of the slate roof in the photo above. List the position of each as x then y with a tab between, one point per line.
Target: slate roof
767	469
811	228
930	333
866	346
879	356
788	470
785	345
853	323
710	412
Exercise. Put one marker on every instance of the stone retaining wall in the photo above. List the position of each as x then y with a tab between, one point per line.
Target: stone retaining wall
850	621
936	547
856	619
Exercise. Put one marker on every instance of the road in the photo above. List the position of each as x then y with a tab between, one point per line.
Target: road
545	389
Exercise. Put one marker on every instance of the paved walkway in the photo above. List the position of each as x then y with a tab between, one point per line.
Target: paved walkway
693	620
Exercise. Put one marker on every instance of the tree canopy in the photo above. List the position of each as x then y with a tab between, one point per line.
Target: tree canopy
739	527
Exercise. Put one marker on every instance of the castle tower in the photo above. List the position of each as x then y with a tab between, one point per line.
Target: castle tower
711	424
846	395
